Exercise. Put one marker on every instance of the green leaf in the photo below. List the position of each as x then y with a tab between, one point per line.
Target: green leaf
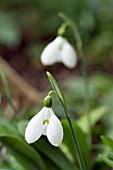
5	83
68	141
20	149
6	127
57	89
107	141
95	116
6	88
21	126
106	159
55	155
24	153
17	162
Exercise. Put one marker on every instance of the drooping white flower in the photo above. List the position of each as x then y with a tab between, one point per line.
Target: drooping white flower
45	123
59	50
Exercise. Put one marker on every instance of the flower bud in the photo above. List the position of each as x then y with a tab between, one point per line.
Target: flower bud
48	101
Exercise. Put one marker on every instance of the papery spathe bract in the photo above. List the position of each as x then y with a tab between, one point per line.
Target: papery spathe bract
59	50
45	123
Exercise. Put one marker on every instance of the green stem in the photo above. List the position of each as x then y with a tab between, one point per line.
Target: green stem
60	96
77	37
50	92
76	144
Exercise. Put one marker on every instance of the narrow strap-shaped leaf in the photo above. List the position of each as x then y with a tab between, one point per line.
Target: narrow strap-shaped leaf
17	145
6	89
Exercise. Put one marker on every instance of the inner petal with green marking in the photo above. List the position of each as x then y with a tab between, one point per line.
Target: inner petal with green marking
45	121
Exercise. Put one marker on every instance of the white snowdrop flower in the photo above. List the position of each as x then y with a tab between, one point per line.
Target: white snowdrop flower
59	50
45	123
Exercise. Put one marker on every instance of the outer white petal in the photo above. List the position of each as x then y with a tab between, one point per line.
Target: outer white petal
35	127
69	56
52	52
55	131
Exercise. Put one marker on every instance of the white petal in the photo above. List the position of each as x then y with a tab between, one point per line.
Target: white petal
50	55
69	56
55	131
46	116
52	52
35	127
45	126
60	41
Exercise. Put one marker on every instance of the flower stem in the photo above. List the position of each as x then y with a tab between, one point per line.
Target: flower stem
50	92
77	37
76	144
60	96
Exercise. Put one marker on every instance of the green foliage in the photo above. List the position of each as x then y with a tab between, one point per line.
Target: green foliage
22	152
6	89
26	156
55	155
68	141
41	154
100	87
107	156
95	116
6	169
9	31
18	147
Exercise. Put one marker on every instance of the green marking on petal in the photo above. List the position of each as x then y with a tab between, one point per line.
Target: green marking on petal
60	48
45	121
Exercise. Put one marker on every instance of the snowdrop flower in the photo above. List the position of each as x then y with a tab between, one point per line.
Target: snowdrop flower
59	50
45	123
